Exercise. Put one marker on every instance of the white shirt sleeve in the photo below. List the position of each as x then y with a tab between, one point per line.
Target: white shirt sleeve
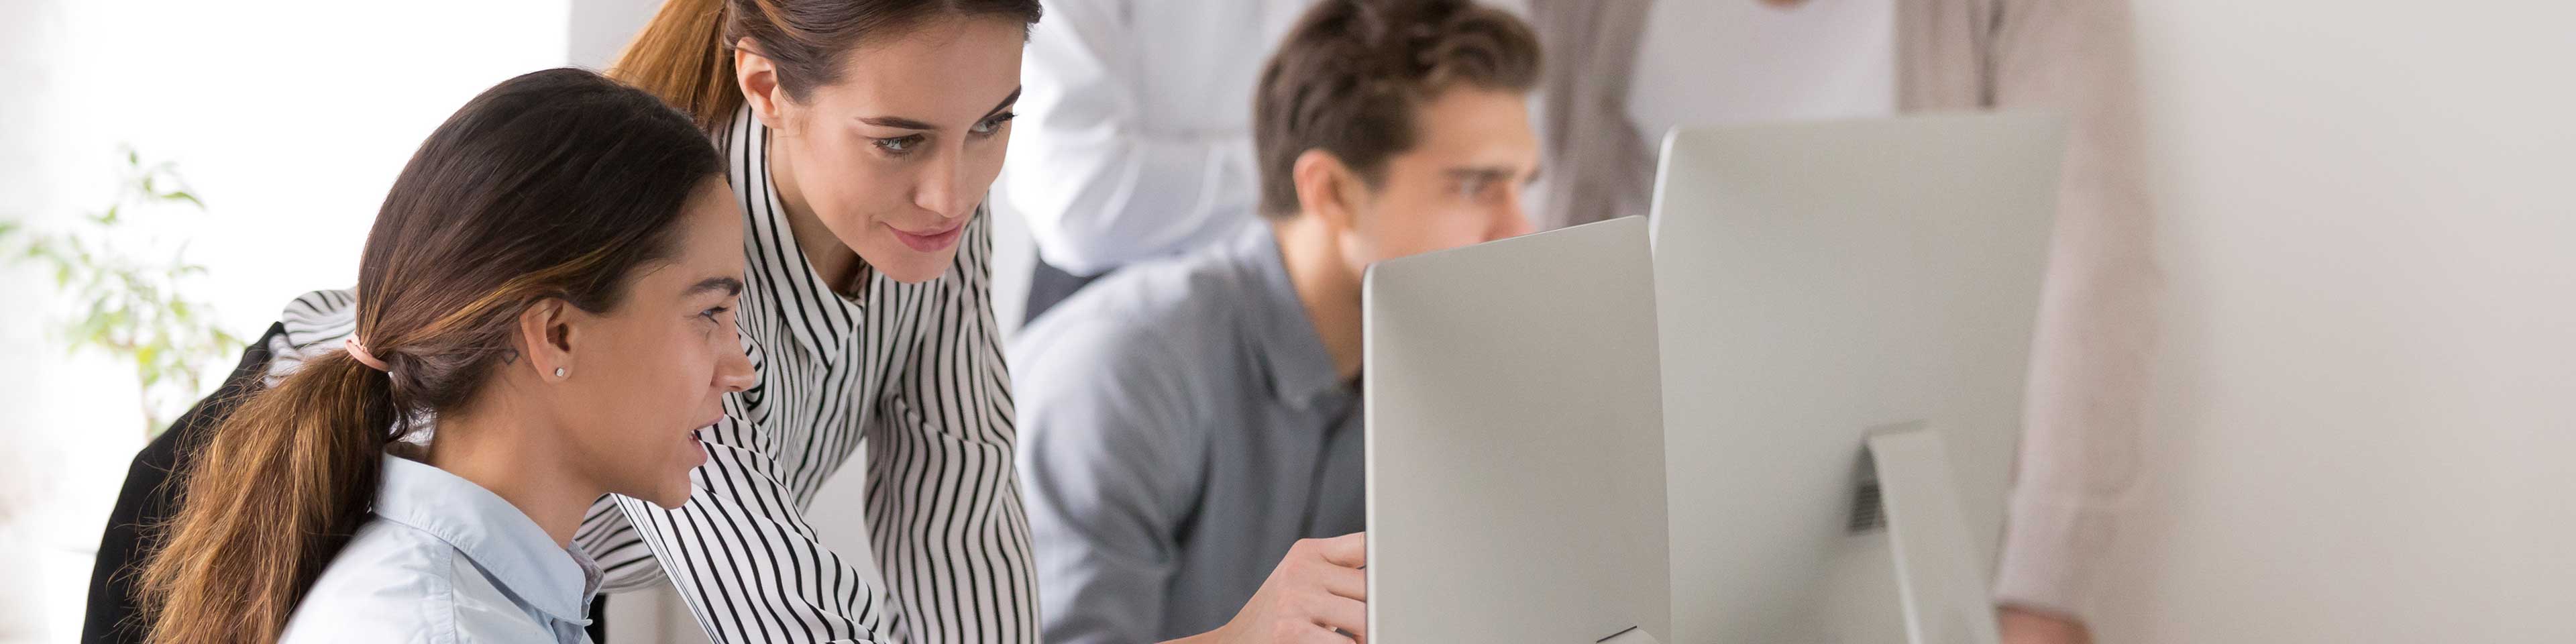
1101	185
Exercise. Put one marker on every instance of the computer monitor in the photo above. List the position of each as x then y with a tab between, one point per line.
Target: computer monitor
1824	288
1515	442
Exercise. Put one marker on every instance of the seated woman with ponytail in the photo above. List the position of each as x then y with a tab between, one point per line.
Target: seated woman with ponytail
550	281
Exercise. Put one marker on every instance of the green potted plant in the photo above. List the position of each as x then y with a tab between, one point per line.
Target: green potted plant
126	288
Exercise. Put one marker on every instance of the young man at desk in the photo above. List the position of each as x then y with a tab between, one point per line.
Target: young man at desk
1185	423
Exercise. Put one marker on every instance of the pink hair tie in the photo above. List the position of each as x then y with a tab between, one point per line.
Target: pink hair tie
359	350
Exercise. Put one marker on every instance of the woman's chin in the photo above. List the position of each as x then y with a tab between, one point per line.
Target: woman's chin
671	497
667	496
671	501
916	270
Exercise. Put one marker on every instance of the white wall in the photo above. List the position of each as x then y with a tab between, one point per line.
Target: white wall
2363	415
599	29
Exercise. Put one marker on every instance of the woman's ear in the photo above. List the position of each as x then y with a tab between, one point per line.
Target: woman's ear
1326	189
545	333
758	76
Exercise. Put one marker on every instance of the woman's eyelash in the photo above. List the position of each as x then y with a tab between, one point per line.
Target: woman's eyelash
994	124
900	145
710	314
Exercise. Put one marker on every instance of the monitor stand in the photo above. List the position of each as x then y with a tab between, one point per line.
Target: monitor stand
1945	599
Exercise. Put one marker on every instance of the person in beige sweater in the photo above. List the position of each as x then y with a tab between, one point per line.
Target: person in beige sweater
2089	364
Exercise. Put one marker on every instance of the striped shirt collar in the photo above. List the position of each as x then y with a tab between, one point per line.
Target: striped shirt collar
816	314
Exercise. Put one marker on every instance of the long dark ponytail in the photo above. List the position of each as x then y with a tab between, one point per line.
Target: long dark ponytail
554	184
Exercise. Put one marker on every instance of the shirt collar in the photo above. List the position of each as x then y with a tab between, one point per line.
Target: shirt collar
499	538
1293	353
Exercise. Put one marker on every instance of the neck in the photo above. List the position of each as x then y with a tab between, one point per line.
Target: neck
493	448
831	259
1325	285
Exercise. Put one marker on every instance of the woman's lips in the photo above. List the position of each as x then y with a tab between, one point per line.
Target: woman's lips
932	241
697	443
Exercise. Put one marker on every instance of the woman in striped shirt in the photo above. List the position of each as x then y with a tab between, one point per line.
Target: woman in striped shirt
861	137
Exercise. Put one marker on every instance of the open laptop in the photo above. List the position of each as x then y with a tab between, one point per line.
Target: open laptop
1846	312
1515	442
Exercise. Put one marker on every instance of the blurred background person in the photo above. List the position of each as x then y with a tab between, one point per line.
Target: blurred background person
1187	421
1137	139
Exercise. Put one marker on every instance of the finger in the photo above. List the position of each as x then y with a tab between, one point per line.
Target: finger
1341	613
1343	582
1348	551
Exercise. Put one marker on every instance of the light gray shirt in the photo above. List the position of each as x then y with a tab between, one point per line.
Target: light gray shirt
1181	427
444	561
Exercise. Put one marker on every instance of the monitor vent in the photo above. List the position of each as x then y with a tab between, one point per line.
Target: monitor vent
1868	512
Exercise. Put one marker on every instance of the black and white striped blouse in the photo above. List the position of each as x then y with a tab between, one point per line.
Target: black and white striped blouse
911	375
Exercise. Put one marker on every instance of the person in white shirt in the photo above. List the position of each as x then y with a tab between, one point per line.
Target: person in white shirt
551	279
1137	139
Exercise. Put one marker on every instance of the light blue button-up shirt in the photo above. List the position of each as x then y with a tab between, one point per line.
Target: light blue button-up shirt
444	561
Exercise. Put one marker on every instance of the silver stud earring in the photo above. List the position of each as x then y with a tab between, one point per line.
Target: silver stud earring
559	372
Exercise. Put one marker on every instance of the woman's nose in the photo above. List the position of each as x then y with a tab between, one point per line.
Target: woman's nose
942	187
734	372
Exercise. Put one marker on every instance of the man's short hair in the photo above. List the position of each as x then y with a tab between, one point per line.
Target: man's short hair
1348	77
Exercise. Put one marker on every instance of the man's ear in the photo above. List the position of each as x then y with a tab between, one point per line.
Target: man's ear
545	337
1327	189
758	76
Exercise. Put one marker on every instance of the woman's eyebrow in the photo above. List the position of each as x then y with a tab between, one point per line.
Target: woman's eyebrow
902	123
1006	101
896	122
730	286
